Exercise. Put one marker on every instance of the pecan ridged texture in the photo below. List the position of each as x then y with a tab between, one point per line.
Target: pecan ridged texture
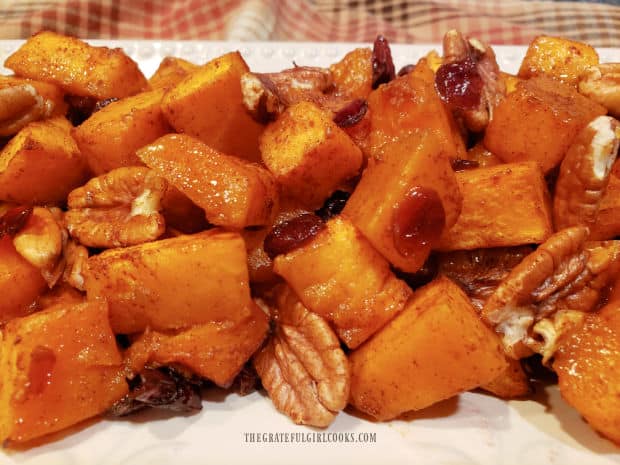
565	273
20	104
302	366
602	84
117	209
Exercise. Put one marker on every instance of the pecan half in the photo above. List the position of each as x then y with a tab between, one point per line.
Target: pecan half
564	273
584	173
21	104
602	84
117	209
469	80
75	256
40	241
302	367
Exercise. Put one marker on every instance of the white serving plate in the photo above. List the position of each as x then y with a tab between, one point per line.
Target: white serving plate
473	428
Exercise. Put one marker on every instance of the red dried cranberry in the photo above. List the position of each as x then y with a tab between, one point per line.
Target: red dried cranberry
14	220
333	205
383	70
418	220
351	114
289	235
459	84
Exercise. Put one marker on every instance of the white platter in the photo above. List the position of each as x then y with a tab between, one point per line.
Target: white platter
471	429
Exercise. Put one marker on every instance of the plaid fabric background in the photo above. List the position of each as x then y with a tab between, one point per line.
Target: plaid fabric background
496	21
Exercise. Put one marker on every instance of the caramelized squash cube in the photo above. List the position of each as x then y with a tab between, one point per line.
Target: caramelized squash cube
504	205
340	276
20	282
208	104
383	194
172	283
538	122
41	164
110	137
435	349
232	192
607	225
352	76
59	367
77	67
211	350
308	153
559	58
170	72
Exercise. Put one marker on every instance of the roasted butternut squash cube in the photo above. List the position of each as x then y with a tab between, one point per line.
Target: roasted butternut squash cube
41	164
172	283
181	213
482	156
511	82
607	225
20	282
211	350
513	382
587	367
208	104
435	349
77	67
559	58
408	104
340	276
382	201
538	122
59	367
308	153
110	137
352	75
170	72
503	206
231	191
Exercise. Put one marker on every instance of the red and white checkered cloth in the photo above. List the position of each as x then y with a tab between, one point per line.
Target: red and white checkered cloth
495	21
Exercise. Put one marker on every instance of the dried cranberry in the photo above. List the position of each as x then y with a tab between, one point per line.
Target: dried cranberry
460	164
459	84
80	108
289	235
333	205
383	70
14	220
418	220
405	70
351	114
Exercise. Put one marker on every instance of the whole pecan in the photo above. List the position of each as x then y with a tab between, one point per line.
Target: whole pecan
602	84
584	173
302	367
117	209
564	273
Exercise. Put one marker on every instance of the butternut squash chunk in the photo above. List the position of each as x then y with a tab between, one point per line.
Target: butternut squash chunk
308	153
607	225
352	75
208	104
172	283
212	350
435	349
110	137
77	67
170	72
381	197
60	366
503	205
41	164
538	122
340	276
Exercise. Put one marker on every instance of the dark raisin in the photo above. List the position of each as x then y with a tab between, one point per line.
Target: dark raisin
405	70
460	164
333	205
423	276
383	70
289	235
418	220
459	84
14	220
351	114
80	108
159	388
